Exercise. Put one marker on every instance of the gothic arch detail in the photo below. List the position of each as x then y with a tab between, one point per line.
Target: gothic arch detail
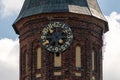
57	60
78	56
39	54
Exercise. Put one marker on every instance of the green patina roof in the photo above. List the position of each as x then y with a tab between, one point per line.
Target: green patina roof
87	7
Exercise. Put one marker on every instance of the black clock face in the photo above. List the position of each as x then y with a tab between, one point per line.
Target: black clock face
56	37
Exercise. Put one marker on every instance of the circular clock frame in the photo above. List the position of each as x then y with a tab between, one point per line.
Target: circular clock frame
56	37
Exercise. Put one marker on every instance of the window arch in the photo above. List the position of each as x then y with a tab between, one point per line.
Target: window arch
38	62
78	56
78	60
93	78
57	60
39	58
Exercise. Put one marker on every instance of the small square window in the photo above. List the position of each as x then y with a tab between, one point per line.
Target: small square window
78	74
38	75
57	73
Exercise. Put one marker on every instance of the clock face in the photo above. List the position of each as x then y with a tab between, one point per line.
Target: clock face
56	37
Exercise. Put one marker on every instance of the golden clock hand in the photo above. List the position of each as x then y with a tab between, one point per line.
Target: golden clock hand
51	31
46	42
60	41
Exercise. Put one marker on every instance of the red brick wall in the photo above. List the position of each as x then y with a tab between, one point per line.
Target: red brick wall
87	33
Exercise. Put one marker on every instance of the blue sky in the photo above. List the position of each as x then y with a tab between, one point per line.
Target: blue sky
9	42
6	22
108	6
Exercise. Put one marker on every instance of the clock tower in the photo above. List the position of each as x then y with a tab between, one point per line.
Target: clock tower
60	40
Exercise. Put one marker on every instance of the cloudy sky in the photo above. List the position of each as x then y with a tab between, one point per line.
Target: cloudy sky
9	43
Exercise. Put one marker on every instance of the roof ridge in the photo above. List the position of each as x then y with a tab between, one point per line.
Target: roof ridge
33	7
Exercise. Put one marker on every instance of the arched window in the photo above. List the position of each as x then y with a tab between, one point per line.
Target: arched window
39	58
57	60
93	78
78	60
78	56
38	62
57	63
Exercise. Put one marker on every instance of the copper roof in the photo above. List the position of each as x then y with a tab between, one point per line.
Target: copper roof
86	7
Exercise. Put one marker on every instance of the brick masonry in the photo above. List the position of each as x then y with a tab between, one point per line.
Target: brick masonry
87	33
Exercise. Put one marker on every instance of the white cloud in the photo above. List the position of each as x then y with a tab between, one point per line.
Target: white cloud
9	60
10	7
112	48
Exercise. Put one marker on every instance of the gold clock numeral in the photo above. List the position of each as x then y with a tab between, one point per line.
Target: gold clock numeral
48	49
65	31
50	26
45	31
57	24
56	49
63	48
43	37
63	26
69	30
67	43
69	36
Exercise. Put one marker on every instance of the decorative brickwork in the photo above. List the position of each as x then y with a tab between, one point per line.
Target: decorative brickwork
87	32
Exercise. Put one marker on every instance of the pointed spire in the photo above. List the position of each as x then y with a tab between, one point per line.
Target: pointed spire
86	7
